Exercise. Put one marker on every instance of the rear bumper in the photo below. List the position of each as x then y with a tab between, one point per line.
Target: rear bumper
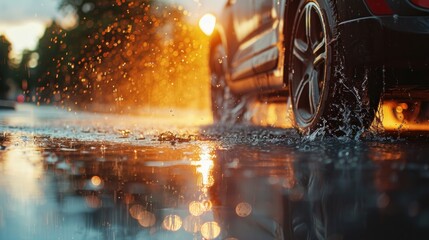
406	41
400	44
391	41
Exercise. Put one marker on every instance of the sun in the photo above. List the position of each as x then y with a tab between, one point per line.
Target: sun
207	23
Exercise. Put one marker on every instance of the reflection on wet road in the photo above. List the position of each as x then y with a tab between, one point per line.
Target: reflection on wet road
207	182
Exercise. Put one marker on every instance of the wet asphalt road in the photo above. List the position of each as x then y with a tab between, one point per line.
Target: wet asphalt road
66	175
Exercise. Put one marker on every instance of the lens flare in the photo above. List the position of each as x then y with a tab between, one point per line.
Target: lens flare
207	23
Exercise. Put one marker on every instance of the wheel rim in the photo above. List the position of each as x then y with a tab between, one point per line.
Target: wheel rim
309	58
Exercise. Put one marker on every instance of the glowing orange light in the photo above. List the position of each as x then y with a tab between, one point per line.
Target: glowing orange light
196	208
136	210
146	219
207	23
272	114
172	223
205	167
204	180
96	180
207	204
393	116
210	230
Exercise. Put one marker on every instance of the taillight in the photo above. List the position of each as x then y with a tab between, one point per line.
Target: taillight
421	3
380	7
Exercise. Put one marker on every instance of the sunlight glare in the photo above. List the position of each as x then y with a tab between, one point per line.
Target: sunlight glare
205	166
23	35
22	168
207	23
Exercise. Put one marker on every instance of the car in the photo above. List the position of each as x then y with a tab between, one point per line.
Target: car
330	60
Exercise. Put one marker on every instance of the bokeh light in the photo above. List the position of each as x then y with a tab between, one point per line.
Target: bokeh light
146	218
243	209
96	180
196	208
136	210
207	205
172	223
210	230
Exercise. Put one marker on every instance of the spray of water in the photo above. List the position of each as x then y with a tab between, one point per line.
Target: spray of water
351	113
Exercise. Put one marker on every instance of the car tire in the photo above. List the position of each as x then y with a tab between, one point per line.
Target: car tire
330	92
227	107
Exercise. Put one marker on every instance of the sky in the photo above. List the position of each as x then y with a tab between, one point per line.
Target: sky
24	21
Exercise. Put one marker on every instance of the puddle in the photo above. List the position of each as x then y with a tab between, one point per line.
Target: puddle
210	187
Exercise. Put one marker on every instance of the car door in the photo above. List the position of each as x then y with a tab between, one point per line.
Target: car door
266	43
256	25
244	26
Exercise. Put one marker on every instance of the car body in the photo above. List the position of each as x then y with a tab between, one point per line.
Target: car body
367	49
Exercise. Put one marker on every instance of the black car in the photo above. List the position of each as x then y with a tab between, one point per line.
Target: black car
333	59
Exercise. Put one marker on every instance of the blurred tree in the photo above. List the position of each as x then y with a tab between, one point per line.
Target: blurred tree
123	53
102	47
51	76
22	75
4	66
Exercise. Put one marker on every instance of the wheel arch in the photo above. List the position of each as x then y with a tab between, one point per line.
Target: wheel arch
289	17
219	37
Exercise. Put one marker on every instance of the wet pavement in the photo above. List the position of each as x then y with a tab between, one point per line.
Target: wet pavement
66	175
